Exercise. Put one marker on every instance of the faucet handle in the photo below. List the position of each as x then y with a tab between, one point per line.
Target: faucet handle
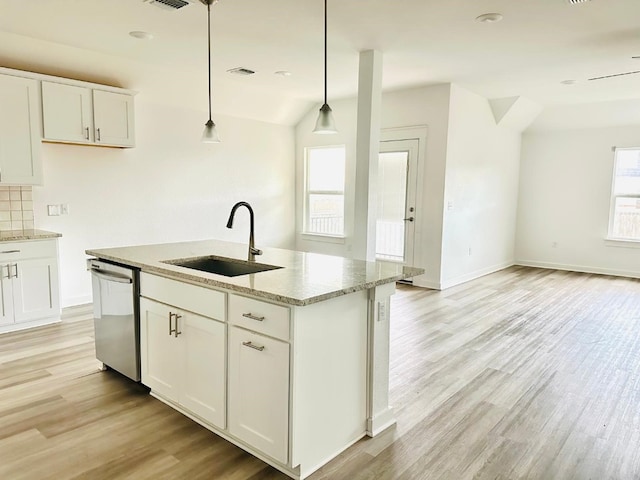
255	251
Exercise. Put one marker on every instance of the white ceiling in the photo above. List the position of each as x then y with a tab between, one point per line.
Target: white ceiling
538	44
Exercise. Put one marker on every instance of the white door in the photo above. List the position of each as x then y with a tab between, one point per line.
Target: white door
259	392
113	118
203	391
161	352
397	173
66	112
35	289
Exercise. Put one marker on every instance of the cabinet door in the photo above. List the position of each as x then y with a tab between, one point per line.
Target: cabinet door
35	289
203	390
161	352
66	112
20	161
259	392
113	118
6	308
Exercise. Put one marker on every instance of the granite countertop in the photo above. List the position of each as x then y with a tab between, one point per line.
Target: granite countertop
305	278
19	235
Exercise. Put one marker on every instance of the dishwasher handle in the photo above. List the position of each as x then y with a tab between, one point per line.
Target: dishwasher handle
111	277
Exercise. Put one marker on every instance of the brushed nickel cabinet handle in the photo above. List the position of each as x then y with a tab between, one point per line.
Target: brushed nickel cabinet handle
255	347
98	134
253	317
16	265
8	271
87	132
176	332
171	330
10	251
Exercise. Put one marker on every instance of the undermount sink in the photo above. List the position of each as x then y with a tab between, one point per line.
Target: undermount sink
221	266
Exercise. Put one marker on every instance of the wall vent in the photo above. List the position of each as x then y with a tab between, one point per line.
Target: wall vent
168	4
241	71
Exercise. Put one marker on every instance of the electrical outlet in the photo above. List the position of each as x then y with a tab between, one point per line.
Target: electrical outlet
53	210
64	209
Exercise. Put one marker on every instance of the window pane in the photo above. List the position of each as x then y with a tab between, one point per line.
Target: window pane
326	169
326	214
627	172
626	218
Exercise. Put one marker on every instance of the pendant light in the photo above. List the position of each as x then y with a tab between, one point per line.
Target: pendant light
210	134
325	123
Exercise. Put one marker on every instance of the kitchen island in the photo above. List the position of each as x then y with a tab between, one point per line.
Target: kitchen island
291	364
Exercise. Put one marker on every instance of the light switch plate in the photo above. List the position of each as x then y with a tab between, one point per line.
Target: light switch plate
53	210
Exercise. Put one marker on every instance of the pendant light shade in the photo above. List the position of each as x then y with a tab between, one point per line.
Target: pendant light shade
325	123
210	134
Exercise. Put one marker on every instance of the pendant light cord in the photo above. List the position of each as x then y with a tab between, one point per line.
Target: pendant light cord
209	58
325	52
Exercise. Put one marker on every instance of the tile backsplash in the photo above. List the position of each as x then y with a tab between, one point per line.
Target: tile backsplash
16	208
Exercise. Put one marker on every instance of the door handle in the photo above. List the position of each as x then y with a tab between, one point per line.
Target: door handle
410	219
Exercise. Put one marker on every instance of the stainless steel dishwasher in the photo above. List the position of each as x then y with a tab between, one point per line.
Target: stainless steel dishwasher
116	315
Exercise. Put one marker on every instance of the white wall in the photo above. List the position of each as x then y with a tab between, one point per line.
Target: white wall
481	191
171	187
565	188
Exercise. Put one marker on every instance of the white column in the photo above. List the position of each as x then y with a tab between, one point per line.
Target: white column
367	151
380	414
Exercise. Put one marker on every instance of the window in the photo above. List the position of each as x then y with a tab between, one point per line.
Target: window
324	190
624	218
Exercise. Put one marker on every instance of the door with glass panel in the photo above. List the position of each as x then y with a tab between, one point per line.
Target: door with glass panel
397	174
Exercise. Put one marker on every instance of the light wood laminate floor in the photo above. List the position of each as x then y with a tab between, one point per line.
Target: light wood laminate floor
522	374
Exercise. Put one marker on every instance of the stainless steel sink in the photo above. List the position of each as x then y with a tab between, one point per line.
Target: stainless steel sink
228	267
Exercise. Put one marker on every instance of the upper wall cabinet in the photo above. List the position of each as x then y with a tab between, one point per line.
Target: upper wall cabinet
77	114
20	161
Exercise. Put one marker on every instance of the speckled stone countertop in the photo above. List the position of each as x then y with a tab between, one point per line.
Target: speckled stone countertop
20	235
305	278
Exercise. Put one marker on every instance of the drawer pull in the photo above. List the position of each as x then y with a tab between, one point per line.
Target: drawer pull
253	317
255	347
10	251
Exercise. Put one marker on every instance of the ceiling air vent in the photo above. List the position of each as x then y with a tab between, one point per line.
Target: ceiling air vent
241	71
576	2
168	4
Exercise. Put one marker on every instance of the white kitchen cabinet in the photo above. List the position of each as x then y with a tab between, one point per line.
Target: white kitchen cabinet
67	113
183	359
20	160
29	283
259	392
85	115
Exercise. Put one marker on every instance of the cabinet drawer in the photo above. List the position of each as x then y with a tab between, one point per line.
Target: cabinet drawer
207	302
262	317
28	249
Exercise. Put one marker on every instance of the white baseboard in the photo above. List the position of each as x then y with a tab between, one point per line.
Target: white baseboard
579	268
476	274
74	301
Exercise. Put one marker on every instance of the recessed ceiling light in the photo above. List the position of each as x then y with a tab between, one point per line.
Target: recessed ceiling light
569	82
489	18
282	73
241	71
140	35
